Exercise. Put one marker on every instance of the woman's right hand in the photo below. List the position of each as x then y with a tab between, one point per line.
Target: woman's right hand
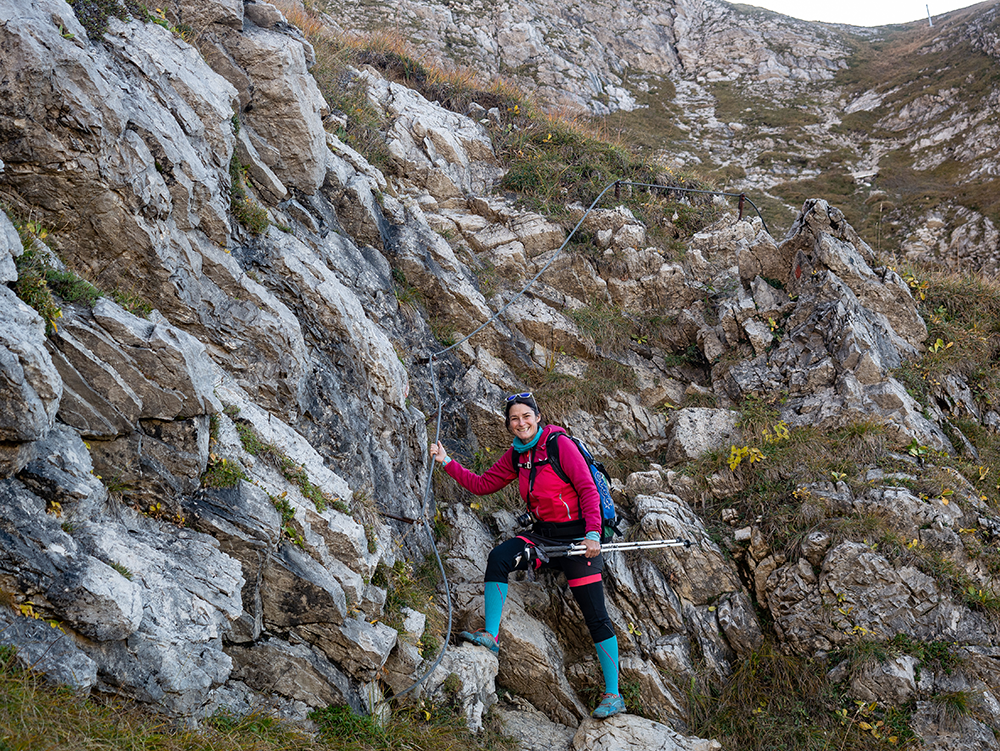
438	452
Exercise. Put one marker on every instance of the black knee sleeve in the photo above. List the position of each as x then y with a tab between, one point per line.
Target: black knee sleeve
506	557
590	598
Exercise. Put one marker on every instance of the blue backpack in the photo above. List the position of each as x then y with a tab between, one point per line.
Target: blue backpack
609	515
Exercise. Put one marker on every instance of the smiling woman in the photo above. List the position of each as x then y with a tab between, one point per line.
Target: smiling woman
559	511
863	12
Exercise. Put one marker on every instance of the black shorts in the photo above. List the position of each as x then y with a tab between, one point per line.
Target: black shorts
579	570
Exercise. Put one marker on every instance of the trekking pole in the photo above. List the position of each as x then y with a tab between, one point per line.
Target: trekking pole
555	551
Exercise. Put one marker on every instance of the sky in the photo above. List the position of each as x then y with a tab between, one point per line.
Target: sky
860	12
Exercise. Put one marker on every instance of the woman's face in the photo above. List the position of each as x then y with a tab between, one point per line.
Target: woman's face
522	422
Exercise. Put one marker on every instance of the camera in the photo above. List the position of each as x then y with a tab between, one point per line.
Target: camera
525	519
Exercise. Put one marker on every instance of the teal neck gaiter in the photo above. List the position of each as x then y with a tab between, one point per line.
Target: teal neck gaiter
522	447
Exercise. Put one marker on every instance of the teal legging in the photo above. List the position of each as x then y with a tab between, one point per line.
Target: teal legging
588	591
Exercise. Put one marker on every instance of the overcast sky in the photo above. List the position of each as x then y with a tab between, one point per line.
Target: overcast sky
861	12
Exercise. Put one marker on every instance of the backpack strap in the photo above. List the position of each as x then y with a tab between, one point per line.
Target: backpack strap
552	451
534	464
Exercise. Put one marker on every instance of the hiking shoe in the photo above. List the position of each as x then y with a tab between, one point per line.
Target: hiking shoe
482	639
611	704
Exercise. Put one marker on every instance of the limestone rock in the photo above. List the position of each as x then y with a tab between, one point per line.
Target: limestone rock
360	647
338	309
63	472
10	248
30	387
45	649
697	430
539	321
658	694
298	592
815	545
123	368
448	154
42	560
890	683
264	14
841	342
704	571
172	574
465	679
200	15
293	671
761	258
145	126
738	622
285	117
890	601
429	262
537	234
402	667
257	169
533	730
822	238
645	483
574	276
938	732
259	595
626	732
529	655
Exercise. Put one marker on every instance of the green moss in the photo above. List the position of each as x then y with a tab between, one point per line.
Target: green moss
132	302
121	569
408	586
288	528
39	282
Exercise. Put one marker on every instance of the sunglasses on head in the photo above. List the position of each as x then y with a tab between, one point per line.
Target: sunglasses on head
524	395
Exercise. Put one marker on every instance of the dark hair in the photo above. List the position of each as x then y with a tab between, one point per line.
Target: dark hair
528	401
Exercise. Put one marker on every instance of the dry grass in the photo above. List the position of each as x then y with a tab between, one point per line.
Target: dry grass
777	702
35	716
766	489
308	22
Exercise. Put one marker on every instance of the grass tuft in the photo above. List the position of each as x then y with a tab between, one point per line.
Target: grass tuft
33	289
222	473
94	15
247	211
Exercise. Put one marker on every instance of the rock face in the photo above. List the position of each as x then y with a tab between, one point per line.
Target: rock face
771	101
208	497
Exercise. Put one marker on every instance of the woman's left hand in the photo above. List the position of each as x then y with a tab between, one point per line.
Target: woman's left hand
593	548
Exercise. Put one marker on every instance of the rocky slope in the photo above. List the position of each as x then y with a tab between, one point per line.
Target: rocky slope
897	122
211	473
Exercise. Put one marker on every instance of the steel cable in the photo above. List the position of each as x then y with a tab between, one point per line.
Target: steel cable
490	320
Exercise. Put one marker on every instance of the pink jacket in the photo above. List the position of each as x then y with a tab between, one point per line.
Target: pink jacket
551	499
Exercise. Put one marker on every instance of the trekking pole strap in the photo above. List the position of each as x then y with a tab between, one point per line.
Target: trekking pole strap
555	551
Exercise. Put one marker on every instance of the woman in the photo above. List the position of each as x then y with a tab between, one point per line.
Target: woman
562	512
